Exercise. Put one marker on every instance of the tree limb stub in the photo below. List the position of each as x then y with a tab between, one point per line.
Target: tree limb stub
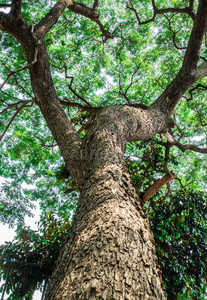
168	136
156	186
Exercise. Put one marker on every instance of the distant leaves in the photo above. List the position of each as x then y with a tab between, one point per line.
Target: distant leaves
40	248
179	224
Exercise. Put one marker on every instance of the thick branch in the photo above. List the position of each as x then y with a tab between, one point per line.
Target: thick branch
83	10
186	10
2	19
183	148
95	5
46	98
52	17
16	8
156	186
196	37
191	4
87	12
64	133
189	73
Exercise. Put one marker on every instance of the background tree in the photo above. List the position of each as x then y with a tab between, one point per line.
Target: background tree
89	64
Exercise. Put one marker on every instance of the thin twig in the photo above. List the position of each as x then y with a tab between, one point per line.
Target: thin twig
156	11
73	91
78	105
21	69
174	34
12	119
10	96
15	104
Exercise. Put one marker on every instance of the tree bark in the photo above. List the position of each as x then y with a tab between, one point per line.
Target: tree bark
110	250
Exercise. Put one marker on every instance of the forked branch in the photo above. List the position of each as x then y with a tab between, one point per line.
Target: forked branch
9	106
156	11
174	35
54	14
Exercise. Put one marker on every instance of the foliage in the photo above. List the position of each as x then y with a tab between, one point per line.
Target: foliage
178	220
177	217
135	66
40	248
179	225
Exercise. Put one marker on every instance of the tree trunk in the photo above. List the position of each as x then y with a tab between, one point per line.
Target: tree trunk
110	251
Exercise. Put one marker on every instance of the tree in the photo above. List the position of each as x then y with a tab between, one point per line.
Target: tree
110	252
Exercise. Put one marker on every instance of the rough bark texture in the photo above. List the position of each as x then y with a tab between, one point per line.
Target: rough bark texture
110	251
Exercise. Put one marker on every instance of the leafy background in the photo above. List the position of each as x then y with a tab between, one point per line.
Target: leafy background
134	67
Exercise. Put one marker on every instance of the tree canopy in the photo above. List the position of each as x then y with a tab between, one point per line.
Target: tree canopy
101	54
